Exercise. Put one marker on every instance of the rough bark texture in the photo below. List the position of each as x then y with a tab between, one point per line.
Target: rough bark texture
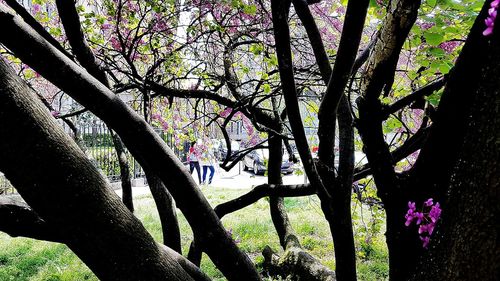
296	264
431	174
72	27
62	186
466	242
146	146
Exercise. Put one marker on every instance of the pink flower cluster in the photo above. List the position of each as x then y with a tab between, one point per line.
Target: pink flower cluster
426	219
492	15
159	118
449	46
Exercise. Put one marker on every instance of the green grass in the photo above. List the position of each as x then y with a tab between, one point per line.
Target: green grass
26	259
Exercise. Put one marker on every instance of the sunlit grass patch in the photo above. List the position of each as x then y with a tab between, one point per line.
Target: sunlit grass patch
26	259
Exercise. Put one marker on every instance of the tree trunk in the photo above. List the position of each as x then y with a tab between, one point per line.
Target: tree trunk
127	196
166	210
465	246
58	181
379	77
277	206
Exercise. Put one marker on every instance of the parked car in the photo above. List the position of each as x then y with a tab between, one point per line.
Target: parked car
257	162
222	151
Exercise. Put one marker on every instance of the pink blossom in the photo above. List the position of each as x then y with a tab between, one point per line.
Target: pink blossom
492	15
429	202
422	228
435	212
425	220
106	26
425	241
36	8
115	44
449	46
420	217
426	25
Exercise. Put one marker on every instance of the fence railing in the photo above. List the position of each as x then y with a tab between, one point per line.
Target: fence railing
98	145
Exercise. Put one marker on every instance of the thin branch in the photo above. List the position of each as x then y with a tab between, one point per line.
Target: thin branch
418	94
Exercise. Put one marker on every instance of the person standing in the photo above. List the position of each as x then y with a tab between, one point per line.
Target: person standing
193	157
208	162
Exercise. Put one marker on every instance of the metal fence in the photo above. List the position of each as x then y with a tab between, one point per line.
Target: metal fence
98	145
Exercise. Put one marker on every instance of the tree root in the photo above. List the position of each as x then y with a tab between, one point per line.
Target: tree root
296	264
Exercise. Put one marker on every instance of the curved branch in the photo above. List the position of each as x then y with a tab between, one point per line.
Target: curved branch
71	22
280	10
261	191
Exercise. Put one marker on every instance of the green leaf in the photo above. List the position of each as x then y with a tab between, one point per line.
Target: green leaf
250	9
444	68
435	97
267	88
433	39
438	52
432	3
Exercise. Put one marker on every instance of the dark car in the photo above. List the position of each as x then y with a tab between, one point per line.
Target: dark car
221	152
257	162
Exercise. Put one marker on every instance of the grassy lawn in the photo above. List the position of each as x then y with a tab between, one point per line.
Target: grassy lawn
26	259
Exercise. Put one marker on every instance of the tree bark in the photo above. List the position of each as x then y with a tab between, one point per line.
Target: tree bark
127	196
296	264
138	136
378	77
58	181
71	23
276	204
465	246
18	219
166	210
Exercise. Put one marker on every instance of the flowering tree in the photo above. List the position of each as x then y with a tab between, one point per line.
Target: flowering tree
209	62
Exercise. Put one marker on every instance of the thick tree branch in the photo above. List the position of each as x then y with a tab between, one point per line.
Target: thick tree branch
346	55
18	219
60	183
261	191
379	76
280	11
71	22
307	19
